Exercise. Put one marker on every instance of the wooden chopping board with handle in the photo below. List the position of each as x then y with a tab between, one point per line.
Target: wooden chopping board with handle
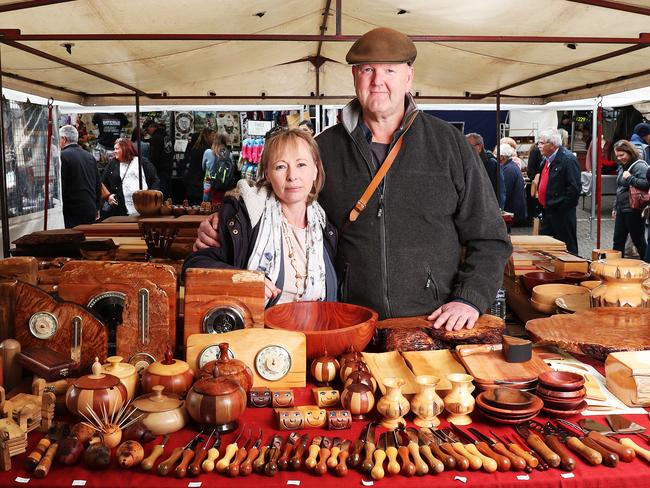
487	365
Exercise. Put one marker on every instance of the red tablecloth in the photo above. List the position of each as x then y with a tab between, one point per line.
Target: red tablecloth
635	474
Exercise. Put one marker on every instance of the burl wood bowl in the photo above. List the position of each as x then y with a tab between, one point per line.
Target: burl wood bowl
534	278
546	294
148	202
535	406
561	395
561	381
575	277
330	326
508	398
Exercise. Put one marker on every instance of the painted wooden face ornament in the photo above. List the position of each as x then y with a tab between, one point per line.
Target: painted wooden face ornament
339	419
315	417
282	398
289	419
326	397
260	397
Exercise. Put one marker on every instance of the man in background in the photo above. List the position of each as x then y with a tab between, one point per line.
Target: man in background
490	163
80	180
161	151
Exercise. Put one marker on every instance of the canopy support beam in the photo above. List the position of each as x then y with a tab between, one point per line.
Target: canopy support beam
4	208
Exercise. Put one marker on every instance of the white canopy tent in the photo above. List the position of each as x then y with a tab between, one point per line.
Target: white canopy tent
102	53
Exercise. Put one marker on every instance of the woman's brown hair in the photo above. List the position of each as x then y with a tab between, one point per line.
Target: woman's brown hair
128	149
276	143
628	148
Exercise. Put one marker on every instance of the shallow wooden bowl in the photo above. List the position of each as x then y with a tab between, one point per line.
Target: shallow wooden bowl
561	380
552	412
575	277
563	405
555	394
573	303
330	326
507	420
590	284
508	399
546	294
535	278
543	307
535	406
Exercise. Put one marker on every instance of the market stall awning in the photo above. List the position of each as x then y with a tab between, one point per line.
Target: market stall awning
236	51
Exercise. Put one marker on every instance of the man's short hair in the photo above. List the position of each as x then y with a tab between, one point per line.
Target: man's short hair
551	135
478	138
382	46
148	123
70	132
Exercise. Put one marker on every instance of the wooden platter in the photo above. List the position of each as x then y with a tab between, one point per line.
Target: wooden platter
437	363
595	332
390	365
491	367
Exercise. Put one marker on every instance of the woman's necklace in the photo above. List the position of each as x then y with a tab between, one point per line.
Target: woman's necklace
301	279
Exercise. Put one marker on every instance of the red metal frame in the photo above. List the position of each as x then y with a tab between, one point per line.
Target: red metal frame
615	6
30	4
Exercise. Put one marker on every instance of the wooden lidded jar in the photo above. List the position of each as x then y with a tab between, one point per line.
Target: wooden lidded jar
324	369
102	393
351	366
358	399
361	376
164	413
230	368
125	372
350	355
174	375
217	401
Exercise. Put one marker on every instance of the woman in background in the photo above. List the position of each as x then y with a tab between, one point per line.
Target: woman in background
193	179
121	178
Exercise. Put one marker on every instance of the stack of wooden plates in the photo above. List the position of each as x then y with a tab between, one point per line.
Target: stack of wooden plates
508	406
562	392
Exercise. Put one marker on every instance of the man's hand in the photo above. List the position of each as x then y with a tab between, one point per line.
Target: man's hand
270	290
454	316
207	233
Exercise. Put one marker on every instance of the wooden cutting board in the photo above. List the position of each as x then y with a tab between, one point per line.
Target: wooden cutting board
490	367
595	332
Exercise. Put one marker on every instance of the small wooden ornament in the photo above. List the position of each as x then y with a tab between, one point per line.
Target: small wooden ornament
282	398
289	419
326	397
315	417
358	399
324	369
361	377
260	397
351	366
339	419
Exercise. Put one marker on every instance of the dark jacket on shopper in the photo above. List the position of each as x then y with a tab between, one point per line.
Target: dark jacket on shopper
515	192
401	257
638	170
81	186
113	182
564	185
237	238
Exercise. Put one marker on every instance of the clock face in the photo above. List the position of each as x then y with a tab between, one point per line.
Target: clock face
43	325
212	353
273	362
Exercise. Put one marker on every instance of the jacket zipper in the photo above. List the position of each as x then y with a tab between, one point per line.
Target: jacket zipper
382	228
431	285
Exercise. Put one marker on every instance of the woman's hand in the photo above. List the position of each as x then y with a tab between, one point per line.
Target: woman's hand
112	199
270	290
626	175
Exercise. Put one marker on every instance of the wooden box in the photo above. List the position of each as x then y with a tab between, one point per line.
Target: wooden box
222	300
628	377
140	297
566	262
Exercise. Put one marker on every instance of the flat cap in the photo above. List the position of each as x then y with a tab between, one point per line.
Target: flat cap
382	45
642	129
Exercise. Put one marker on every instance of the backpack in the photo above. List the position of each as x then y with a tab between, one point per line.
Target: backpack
224	173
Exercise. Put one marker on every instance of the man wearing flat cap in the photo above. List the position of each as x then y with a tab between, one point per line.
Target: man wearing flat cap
402	255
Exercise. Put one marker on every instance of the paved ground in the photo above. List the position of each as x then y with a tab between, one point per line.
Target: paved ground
587	241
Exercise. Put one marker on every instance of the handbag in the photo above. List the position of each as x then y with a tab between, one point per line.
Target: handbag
638	198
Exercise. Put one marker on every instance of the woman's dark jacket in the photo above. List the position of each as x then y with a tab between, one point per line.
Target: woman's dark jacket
638	170
193	179
237	238
113	182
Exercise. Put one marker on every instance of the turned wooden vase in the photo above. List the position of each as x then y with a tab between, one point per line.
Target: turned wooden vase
102	393
216	401
622	283
228	367
459	402
174	375
426	404
393	405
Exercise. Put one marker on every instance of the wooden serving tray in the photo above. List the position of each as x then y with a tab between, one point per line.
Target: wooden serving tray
437	363
595	332
390	365
491	367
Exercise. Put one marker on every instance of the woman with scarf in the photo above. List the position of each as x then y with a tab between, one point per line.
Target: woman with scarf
277	227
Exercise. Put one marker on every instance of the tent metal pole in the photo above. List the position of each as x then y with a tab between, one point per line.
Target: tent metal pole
4	209
498	148
137	125
599	168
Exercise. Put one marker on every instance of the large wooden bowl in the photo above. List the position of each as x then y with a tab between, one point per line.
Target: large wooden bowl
328	326
148	202
534	278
